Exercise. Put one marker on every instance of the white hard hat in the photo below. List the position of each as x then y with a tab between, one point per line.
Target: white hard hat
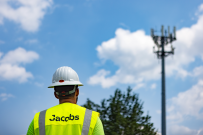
65	76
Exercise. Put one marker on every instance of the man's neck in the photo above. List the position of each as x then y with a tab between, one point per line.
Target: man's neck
71	100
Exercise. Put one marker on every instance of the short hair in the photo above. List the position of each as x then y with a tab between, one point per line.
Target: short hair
66	91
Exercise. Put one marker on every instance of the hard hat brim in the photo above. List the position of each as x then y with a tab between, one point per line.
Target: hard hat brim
65	83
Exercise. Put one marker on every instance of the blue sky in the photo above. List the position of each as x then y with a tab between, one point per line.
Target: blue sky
108	44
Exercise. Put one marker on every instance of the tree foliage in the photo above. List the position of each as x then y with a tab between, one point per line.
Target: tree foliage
122	114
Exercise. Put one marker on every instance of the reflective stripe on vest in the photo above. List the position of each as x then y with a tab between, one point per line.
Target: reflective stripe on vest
86	123
42	122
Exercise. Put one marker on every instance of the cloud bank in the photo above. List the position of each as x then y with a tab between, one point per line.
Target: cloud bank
187	103
27	13
11	64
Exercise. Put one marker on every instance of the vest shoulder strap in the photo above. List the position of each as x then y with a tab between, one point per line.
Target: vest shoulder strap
86	123
42	122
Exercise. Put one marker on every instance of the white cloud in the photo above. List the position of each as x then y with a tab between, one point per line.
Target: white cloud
132	53
188	103
27	13
5	96
11	64
18	56
100	78
126	50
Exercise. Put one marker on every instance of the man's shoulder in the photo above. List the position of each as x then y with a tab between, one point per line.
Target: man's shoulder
68	106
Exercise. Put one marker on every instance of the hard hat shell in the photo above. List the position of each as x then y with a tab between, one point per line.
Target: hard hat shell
65	76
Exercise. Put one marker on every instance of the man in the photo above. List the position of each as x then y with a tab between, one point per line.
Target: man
67	118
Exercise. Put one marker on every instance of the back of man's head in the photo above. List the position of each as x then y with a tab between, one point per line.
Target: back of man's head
66	91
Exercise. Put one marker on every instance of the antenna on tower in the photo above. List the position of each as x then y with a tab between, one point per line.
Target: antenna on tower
174	32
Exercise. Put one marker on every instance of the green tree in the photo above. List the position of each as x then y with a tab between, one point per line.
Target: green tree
122	114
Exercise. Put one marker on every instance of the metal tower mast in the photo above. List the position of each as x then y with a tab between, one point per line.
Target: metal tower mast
160	42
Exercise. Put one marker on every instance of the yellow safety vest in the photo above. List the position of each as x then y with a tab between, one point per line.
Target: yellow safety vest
65	119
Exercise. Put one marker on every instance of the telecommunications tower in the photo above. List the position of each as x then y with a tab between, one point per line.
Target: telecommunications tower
161	41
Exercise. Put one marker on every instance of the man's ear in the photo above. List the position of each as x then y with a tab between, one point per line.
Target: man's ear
77	92
56	95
